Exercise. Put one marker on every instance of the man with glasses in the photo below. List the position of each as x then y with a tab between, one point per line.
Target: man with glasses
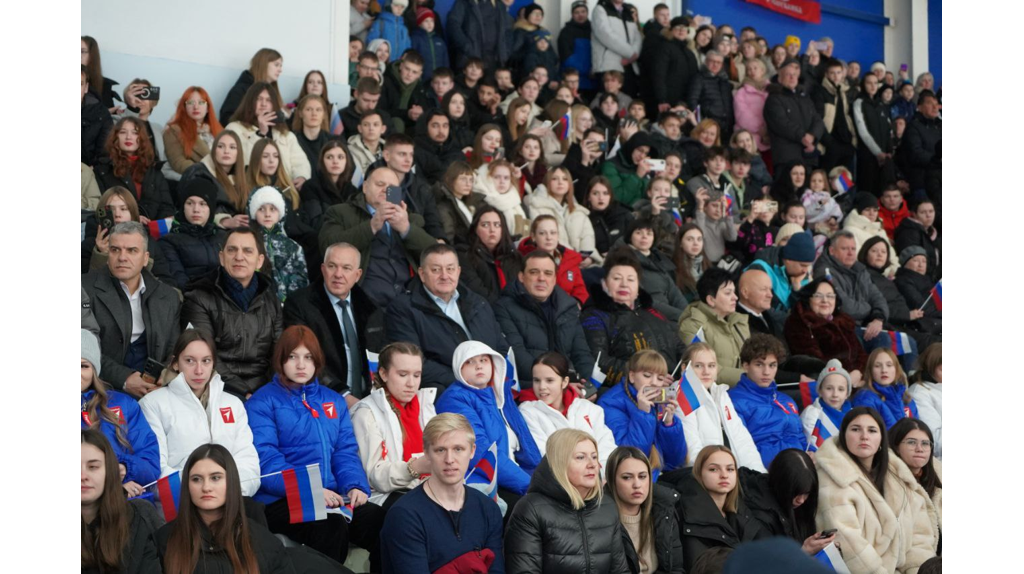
438	315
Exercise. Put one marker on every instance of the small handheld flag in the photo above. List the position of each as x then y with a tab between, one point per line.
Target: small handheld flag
677	217
565	126
689	394
511	374
823	430
698	337
900	342
305	493
935	294
484	476
597	376
168	490
829	556
808	392
374	360
842	183
160	227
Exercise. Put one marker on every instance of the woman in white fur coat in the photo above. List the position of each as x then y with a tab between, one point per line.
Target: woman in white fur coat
193	410
389	423
553	404
716	419
873	499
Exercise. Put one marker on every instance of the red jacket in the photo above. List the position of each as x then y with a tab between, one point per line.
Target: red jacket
892	219
809	334
569	277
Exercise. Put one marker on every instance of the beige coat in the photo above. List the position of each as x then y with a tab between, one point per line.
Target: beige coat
377	428
863	230
362	155
574	229
879	535
90	189
294	159
177	157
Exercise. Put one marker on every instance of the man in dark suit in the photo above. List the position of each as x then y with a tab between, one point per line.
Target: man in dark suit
338	313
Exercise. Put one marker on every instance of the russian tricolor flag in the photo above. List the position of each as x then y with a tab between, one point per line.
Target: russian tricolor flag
937	295
900	342
597	376
830	557
160	227
305	493
842	183
511	374
677	217
374	360
824	429
485	473
698	337
808	392
689	393
565	126
168	490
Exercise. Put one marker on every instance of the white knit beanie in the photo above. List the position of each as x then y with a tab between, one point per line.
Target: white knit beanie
264	195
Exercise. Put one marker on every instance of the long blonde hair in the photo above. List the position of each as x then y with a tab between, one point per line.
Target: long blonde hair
258	179
560	447
97	410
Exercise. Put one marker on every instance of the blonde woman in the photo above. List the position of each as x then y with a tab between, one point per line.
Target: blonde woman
555	197
562	524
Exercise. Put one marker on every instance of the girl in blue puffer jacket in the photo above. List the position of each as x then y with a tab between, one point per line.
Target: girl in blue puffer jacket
297	422
886	391
391	27
482	394
121	420
772	418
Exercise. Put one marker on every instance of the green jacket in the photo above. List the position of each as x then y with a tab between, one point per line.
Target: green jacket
350	222
726	337
627	186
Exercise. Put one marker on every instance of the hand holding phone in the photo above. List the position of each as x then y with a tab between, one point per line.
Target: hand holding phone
394	195
827	533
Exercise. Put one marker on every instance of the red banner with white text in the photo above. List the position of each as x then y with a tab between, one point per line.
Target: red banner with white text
805	10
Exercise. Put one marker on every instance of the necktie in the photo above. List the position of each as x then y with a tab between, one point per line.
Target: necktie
355	383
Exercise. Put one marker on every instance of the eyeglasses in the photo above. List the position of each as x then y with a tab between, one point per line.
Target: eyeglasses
195	103
913	442
824	296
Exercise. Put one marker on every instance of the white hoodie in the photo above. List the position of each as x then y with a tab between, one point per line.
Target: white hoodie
379	434
704	427
928	397
181	424
582	415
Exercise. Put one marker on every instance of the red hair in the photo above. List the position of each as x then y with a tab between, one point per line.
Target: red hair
292	338
189	132
120	158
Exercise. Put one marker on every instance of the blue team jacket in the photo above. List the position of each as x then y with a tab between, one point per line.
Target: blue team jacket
143	460
633	427
288	434
891	407
772	418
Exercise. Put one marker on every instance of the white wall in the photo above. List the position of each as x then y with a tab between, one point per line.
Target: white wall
210	43
906	38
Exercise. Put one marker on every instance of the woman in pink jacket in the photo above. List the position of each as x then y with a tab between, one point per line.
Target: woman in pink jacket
748	104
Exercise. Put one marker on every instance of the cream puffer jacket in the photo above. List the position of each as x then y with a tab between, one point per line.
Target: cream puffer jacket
574	229
294	159
879	534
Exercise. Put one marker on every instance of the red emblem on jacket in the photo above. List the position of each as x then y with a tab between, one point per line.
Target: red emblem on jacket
330	411
587	418
728	413
227	415
908	413
118	414
86	419
384	450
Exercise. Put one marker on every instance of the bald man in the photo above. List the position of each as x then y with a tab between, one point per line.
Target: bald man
755	292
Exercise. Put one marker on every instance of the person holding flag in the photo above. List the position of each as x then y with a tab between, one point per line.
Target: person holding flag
211	532
713	420
389	423
123	540
821	419
552	404
420	534
295	422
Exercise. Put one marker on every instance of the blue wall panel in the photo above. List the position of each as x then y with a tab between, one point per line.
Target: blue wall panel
935	40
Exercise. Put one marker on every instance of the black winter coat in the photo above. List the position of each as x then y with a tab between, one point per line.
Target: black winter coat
531	332
701	525
419	199
610	225
545	535
234	98
668	546
140	552
876	120
96	126
432	158
916	288
789	114
920	139
676	70
414	317
155	201
758	497
617	332
713	93
910	232
311	307
465	28
480	272
271	556
161	306
453	220
899	311
189	255
317	195
245	339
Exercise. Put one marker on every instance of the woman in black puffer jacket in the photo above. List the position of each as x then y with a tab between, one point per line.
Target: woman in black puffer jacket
609	218
562	524
192	248
647	511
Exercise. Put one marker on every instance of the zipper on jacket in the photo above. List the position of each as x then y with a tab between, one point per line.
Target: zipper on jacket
325	466
586	539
